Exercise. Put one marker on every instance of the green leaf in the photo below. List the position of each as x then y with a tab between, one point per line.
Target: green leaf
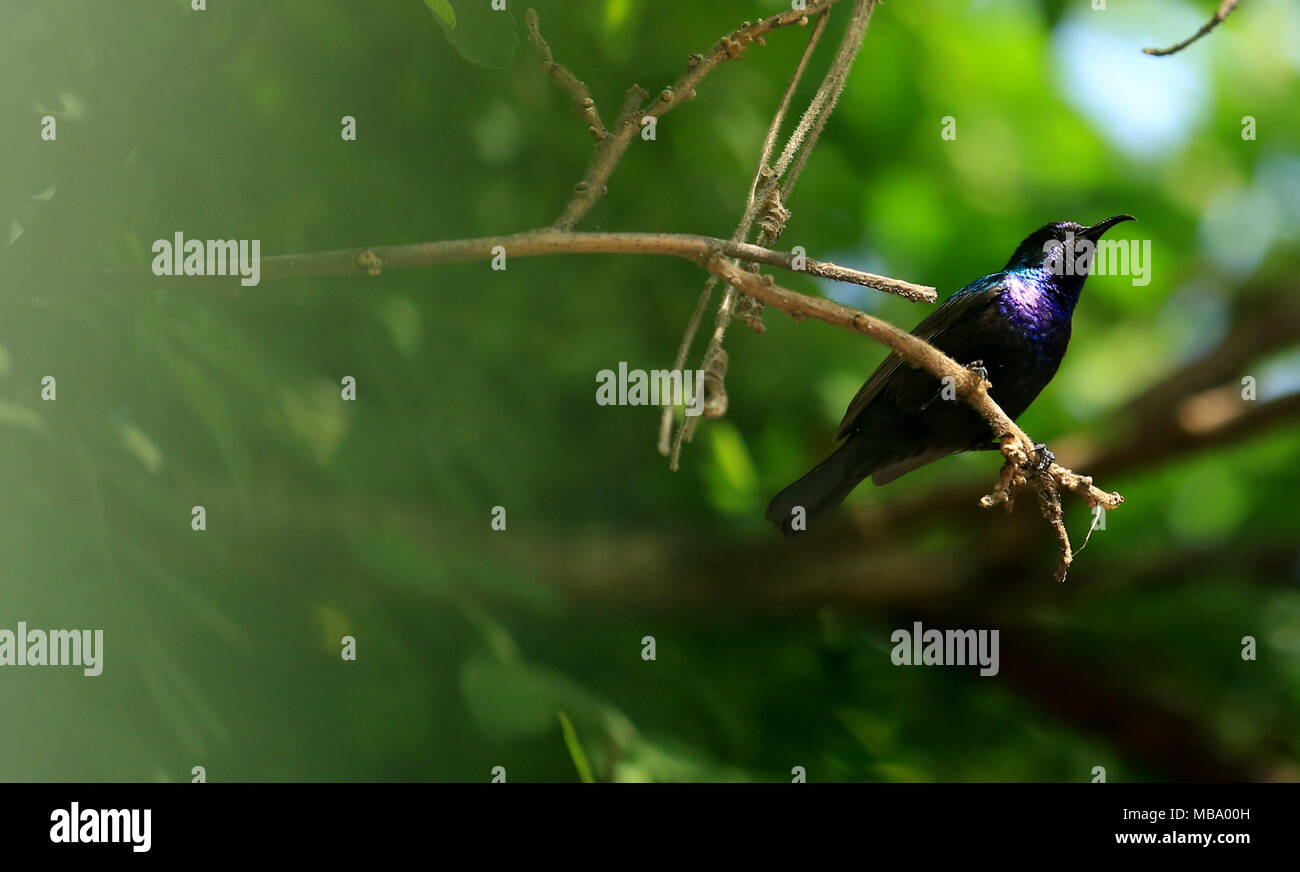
484	36
443	10
575	749
732	479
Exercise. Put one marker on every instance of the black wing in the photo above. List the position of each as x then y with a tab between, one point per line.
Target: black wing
962	305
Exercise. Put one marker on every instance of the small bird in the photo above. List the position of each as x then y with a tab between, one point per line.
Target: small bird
1012	327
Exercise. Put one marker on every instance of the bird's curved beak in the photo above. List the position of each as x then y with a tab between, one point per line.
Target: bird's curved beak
1095	231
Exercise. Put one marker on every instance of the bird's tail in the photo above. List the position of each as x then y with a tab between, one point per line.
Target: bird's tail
820	491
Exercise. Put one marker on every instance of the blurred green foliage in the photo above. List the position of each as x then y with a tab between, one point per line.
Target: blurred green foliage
475	388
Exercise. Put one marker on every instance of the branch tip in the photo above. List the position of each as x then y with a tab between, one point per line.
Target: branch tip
1225	9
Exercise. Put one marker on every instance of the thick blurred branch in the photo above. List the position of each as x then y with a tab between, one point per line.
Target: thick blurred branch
1267	319
1209	420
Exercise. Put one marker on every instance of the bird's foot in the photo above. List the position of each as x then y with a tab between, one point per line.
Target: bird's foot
1043	458
948	392
977	367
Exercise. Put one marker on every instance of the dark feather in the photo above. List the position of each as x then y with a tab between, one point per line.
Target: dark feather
961	306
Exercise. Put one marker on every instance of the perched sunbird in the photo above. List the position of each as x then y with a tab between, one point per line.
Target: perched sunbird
1013	326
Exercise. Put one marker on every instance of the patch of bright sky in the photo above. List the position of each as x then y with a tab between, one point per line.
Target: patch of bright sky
1280	176
1279	377
1145	107
1238	227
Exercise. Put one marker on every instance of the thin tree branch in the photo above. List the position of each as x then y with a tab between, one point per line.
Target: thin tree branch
375	260
609	151
1224	10
679	363
766	198
686	430
566	80
774	129
814	119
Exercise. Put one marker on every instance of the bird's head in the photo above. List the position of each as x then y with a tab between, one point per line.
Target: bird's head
1065	248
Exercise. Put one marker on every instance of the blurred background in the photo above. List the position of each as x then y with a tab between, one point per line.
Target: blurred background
475	389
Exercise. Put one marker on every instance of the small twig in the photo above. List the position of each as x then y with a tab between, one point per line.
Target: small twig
683	350
1224	10
1010	479
1082	486
567	80
774	129
1049	501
